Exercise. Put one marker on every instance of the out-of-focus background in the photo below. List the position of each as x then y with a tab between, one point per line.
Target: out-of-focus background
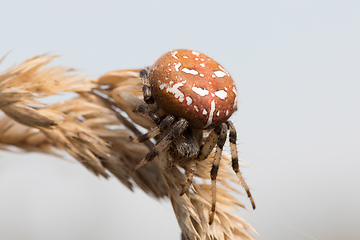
297	68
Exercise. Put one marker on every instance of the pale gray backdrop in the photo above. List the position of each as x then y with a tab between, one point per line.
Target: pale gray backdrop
297	68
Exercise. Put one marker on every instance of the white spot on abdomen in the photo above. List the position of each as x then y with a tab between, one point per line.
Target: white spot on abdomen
174	54
200	91
204	112
195	53
235	100
196	108
162	86
188	100
234	90
224	70
175	90
221	94
211	114
220	73
190	71
177	66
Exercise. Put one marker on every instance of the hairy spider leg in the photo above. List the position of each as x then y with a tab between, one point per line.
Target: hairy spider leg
214	170
146	110
205	151
168	120
189	176
235	161
144	73
209	143
176	130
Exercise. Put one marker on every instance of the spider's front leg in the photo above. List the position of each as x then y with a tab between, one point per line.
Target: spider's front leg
144	75
214	170
164	124
175	130
235	160
189	176
144	109
209	143
204	152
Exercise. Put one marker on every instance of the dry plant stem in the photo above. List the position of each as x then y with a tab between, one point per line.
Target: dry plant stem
112	105
80	127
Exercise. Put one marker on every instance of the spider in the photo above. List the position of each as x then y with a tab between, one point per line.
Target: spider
194	94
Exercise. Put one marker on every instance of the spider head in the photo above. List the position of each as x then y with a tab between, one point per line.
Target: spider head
187	145
190	85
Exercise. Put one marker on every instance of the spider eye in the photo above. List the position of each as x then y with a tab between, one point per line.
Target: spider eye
193	86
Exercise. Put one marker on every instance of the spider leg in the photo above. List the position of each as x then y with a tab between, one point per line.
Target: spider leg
145	110
148	98
189	176
235	161
168	120
214	170
175	130
209	143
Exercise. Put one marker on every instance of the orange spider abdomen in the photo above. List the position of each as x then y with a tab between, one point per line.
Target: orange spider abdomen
190	85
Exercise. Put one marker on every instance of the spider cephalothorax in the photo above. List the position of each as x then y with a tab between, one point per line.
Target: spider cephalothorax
194	93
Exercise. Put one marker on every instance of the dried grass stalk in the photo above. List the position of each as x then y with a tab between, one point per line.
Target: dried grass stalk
95	130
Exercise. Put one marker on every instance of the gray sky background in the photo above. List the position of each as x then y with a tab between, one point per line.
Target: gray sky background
297	68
